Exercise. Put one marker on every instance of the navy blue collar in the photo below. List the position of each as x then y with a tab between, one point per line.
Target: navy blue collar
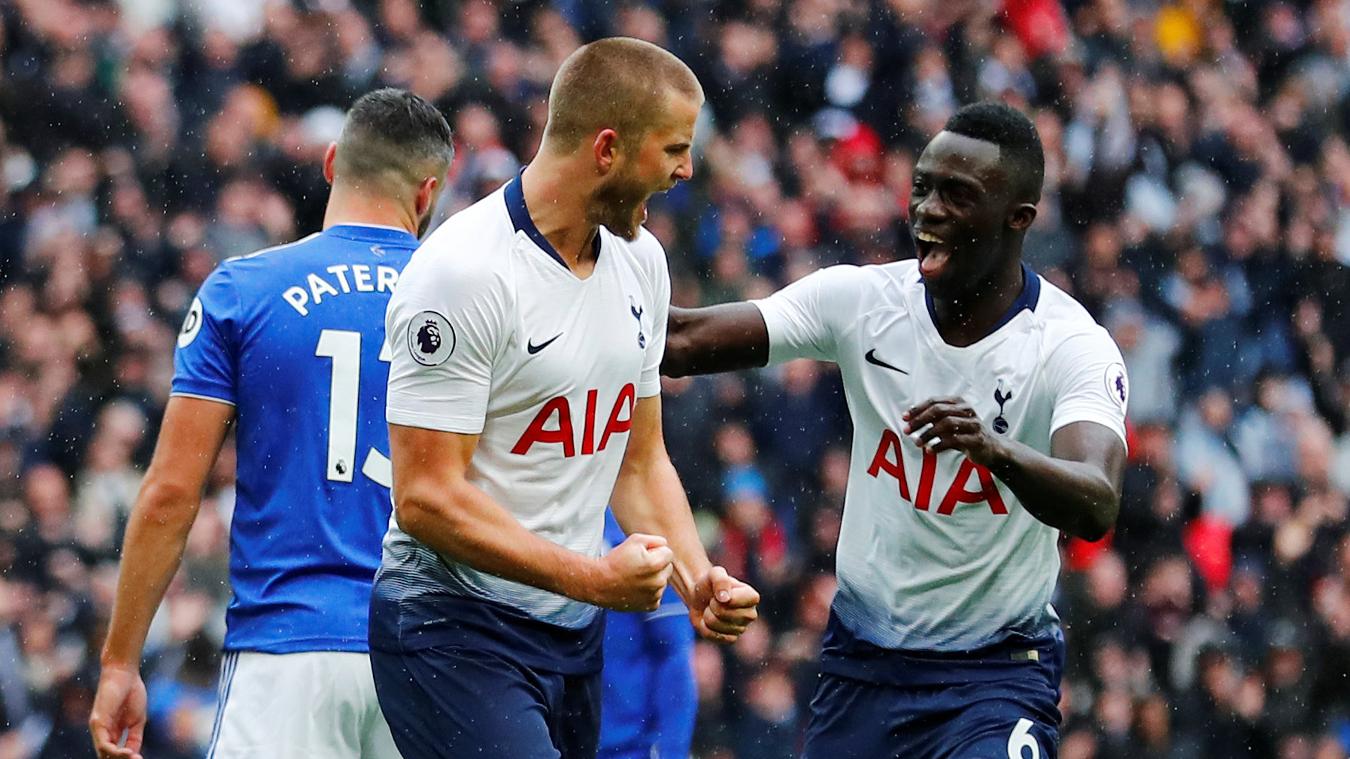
520	219
1027	299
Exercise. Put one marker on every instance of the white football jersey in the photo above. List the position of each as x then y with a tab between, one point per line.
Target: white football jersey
491	334
934	552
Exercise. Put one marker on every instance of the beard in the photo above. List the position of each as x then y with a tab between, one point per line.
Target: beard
425	221
619	205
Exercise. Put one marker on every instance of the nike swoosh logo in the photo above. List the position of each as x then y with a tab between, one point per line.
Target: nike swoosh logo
871	357
532	349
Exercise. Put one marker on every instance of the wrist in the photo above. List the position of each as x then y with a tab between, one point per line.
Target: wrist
583	581
689	575
999	457
118	660
698	571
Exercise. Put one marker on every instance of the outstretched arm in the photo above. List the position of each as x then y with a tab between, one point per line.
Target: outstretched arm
165	509
720	338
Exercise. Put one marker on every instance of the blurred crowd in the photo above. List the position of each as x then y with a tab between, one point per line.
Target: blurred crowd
1197	201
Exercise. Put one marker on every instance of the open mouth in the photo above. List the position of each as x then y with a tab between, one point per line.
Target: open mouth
934	253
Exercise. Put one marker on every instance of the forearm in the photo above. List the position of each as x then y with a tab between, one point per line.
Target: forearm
1072	496
649	498
719	338
151	553
466	524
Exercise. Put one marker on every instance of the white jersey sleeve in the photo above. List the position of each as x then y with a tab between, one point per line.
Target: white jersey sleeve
805	318
1088	376
445	326
652	261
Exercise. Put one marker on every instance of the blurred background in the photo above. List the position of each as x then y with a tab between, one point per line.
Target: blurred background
1198	175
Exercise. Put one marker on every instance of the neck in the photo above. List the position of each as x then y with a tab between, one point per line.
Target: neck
346	206
558	210
967	318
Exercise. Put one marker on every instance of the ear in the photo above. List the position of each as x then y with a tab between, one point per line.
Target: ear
329	156
606	150
1022	216
426	196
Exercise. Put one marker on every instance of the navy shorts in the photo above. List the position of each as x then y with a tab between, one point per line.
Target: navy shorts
1003	704
456	703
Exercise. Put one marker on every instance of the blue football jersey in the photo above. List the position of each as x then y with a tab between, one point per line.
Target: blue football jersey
649	697
293	337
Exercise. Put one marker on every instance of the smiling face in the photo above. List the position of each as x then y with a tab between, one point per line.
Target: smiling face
661	159
965	215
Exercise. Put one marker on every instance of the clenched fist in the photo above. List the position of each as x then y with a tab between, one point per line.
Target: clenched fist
633	576
722	606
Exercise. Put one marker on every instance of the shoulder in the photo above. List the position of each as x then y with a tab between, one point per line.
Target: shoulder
273	259
1071	333
470	249
873	278
272	255
850	287
886	279
1062	316
219	292
486	221
646	247
254	274
645	253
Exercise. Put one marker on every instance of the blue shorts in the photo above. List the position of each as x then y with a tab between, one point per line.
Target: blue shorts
1002	703
450	703
650	699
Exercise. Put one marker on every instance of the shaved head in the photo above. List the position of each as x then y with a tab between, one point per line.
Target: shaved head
618	83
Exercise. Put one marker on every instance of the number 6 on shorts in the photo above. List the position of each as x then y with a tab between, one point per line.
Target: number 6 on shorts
1020	739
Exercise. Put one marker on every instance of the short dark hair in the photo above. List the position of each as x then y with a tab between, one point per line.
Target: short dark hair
618	83
393	139
1015	135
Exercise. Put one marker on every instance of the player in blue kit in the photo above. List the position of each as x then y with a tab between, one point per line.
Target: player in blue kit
288	343
988	416
649	697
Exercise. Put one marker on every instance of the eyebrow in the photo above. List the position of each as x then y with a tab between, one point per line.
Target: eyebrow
960	179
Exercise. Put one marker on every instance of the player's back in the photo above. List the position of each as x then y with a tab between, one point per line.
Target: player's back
293	337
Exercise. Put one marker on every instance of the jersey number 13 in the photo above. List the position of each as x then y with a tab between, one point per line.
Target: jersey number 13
344	348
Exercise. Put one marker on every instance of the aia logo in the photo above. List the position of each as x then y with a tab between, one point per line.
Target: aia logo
889	460
553	424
